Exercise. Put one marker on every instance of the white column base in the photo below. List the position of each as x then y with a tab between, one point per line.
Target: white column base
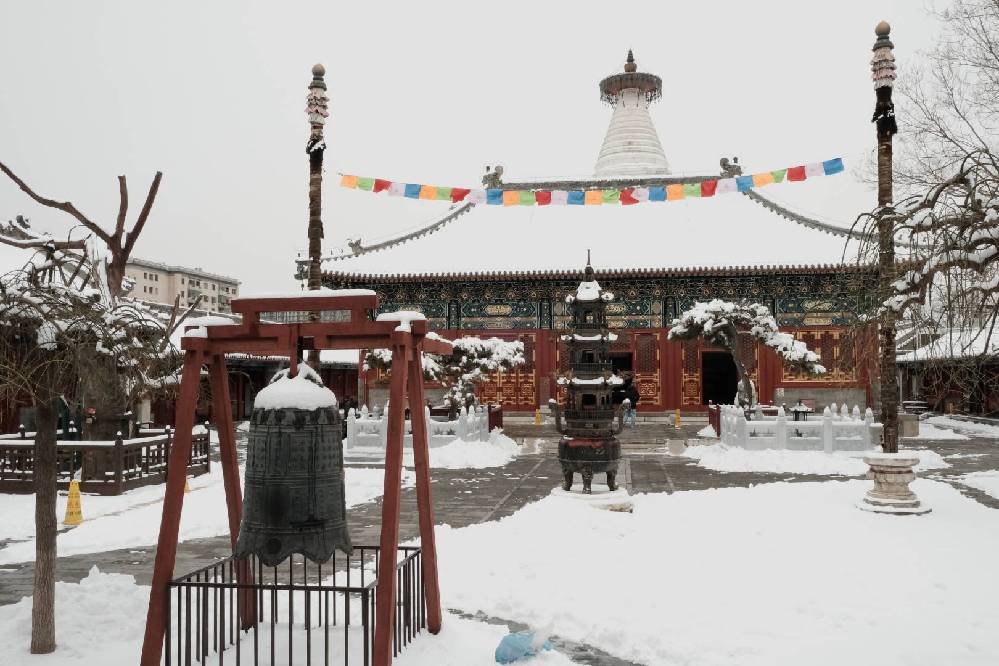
892	473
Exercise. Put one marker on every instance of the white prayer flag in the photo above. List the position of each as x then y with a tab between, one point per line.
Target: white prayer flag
640	193
814	170
559	197
397	189
476	196
726	185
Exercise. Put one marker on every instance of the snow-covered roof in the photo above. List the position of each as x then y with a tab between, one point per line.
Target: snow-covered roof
721	231
955	345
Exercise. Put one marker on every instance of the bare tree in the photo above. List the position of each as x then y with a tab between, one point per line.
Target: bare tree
721	322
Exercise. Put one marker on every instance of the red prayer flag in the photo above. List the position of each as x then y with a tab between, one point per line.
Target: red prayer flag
708	188
542	197
627	196
459	193
382	184
796	173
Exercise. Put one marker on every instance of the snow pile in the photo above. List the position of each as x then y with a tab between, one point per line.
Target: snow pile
781	573
101	619
930	431
721	458
133	520
972	428
89	630
707	431
987	481
459	454
303	391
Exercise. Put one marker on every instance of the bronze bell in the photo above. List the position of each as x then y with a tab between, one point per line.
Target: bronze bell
294	488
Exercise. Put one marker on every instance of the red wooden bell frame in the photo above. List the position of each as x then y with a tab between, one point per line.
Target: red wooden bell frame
407	342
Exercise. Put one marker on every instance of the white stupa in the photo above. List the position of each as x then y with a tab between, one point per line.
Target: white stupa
631	146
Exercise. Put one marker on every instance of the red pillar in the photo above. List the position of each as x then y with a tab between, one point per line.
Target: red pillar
424	498
173	502
389	543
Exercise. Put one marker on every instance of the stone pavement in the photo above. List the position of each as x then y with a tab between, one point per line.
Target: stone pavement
467	496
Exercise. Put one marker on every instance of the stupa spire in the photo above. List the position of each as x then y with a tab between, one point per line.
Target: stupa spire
631	146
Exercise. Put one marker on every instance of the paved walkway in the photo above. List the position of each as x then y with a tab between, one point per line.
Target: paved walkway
464	497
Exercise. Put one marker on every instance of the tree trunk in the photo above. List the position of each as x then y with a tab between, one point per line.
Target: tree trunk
43	601
746	394
103	392
886	274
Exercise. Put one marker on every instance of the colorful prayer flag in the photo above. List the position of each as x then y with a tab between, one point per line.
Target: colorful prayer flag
593	197
348	181
778	175
444	193
726	185
691	189
543	197
494	197
459	194
612	196
796	173
832	166
814	170
560	198
657	194
428	192
365	184
381	184
576	198
511	197
413	190
475	196
708	188
397	189
744	183
762	178
527	198
674	192
628	196
639	193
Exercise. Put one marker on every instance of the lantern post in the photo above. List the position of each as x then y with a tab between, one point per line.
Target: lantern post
883	73
316	107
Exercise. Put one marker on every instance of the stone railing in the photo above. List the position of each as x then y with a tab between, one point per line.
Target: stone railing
365	430
834	430
106	468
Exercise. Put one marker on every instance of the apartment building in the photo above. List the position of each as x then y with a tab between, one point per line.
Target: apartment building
162	283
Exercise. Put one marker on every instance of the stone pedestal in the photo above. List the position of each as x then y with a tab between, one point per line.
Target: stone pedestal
892	473
601	497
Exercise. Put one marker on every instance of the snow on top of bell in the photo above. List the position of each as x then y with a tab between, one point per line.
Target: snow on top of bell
303	391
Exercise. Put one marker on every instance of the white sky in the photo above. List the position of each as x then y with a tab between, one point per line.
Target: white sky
213	94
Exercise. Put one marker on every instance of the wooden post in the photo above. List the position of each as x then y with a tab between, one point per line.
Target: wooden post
173	502
119	462
389	542
424	498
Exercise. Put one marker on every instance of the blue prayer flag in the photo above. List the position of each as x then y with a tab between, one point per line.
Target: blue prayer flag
494	197
832	166
744	183
657	194
575	198
413	190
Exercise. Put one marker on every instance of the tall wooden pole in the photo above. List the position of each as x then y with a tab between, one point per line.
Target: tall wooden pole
317	104
883	73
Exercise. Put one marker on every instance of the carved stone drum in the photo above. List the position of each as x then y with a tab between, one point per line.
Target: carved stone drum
294	489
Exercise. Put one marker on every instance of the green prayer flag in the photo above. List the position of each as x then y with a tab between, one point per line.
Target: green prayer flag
612	196
527	197
444	193
691	189
779	175
365	183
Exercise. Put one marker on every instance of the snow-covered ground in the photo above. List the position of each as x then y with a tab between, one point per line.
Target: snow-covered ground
779	573
721	458
707	431
936	431
89	630
986	481
459	454
968	427
132	520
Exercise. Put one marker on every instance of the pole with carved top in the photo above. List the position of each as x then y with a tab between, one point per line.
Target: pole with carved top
883	74
317	105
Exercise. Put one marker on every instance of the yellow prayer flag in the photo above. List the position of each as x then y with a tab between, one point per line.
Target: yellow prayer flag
428	192
761	179
674	192
348	181
511	197
593	197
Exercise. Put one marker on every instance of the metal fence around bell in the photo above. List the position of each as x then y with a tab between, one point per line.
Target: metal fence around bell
299	612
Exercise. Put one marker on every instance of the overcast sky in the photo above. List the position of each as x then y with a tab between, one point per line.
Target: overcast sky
213	95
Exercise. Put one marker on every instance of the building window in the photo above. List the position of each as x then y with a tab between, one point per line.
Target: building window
213	286
182	294
143	289
182	280
145	276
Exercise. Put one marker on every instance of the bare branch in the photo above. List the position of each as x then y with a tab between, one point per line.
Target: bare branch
119	227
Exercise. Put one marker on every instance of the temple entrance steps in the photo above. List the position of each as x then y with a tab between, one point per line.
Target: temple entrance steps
644	436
